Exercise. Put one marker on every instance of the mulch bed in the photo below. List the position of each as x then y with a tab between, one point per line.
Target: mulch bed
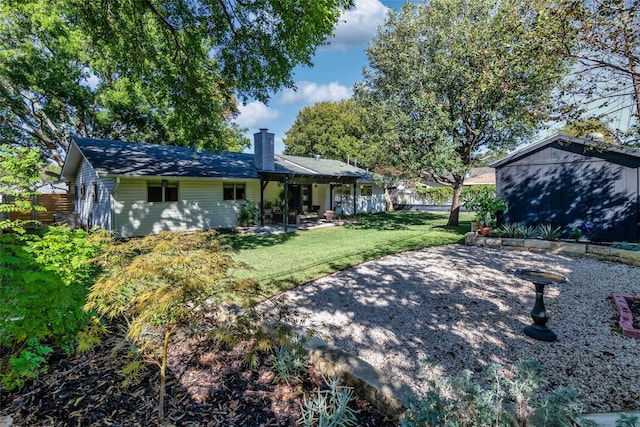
207	385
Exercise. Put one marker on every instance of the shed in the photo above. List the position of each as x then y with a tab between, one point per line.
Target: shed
571	182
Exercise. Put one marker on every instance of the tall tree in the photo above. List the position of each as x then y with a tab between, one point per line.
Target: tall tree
607	51
330	129
587	127
151	70
449	78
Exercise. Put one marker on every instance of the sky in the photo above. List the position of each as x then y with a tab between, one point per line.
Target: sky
336	68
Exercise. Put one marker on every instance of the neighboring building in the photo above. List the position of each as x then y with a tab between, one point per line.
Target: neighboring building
136	189
406	196
480	176
571	182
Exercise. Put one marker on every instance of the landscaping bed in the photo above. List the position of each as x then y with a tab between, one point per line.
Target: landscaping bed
207	386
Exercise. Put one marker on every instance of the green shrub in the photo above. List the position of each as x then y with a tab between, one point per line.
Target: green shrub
43	286
436	195
329	408
482	200
28	365
248	214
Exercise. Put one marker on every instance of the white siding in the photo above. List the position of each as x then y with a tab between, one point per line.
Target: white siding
200	206
91	212
365	204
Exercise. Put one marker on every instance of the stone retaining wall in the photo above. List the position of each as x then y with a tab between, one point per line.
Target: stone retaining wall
579	248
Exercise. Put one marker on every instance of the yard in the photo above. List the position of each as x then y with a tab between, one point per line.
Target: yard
401	293
282	261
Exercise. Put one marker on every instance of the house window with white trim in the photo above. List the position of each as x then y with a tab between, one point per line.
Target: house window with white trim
162	191
233	191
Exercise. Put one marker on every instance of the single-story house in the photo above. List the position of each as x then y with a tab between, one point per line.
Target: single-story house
136	189
571	182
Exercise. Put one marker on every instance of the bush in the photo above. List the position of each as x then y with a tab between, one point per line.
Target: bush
484	202
44	284
436	195
498	400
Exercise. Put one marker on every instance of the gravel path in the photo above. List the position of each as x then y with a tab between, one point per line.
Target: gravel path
462	307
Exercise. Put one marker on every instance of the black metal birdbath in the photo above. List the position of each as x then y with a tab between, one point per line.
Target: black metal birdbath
538	329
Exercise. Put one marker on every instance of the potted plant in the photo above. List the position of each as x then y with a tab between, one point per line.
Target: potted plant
486	204
248	214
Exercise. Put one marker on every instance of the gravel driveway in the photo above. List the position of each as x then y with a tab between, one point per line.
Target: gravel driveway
462	307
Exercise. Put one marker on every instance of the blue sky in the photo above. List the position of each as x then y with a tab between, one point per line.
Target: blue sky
337	67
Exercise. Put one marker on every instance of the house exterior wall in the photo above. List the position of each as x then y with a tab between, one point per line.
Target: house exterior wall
92	211
364	204
566	186
200	205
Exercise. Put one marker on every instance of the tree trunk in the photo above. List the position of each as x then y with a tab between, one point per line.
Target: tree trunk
163	373
387	199
454	215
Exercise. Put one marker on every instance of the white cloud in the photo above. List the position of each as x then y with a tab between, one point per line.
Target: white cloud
309	93
255	114
358	25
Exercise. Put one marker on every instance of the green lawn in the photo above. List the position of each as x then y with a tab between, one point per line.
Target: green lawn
282	261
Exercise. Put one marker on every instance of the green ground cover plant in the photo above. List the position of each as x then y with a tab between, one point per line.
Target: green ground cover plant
498	399
283	261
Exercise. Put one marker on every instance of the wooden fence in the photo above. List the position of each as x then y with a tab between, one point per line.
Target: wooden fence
54	203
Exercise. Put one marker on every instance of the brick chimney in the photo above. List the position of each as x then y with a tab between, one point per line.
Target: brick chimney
263	150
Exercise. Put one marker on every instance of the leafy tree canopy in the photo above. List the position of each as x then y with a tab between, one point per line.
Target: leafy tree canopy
448	78
586	127
332	130
605	41
152	70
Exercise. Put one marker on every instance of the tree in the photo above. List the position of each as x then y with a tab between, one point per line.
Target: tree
20	169
163	71
449	78
330	129
604	37
586	127
160	283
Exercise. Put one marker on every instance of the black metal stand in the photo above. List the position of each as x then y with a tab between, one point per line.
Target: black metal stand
539	330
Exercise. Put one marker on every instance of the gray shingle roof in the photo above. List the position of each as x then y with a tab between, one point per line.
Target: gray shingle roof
112	157
109	157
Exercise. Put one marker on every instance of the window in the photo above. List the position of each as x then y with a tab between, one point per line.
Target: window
95	192
366	190
76	193
83	191
162	192
233	192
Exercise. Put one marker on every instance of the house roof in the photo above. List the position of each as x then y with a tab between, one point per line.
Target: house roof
481	176
564	139
113	158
